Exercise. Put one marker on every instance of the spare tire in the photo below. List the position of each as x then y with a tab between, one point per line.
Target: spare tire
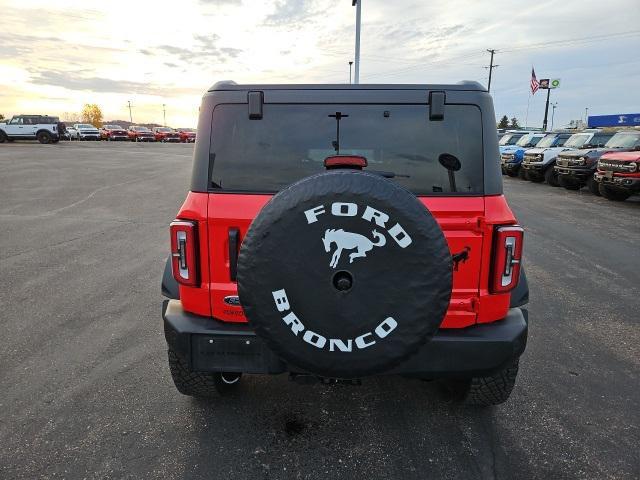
344	274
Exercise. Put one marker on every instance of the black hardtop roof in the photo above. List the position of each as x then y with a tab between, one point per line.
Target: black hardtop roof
462	86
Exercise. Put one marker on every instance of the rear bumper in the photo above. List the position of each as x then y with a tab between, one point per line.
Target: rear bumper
208	345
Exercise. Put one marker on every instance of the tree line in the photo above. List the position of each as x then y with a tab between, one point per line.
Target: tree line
506	123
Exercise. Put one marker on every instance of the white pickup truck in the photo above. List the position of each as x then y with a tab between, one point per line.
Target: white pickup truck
43	128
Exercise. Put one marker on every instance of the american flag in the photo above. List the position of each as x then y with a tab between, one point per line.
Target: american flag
534	82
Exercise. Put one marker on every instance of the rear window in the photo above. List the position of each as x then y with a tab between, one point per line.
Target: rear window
291	142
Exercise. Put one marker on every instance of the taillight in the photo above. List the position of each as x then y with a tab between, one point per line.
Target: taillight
507	256
184	261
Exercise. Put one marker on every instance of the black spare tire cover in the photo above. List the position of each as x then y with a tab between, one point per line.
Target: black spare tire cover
344	274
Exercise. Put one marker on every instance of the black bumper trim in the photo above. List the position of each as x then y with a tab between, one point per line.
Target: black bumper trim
210	345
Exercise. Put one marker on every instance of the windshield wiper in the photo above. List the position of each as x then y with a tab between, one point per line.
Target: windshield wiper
384	174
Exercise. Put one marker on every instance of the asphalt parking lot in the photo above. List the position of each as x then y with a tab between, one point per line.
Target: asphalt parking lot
86	391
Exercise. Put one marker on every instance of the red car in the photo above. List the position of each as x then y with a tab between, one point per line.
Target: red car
618	175
166	134
113	133
385	247
138	133
187	135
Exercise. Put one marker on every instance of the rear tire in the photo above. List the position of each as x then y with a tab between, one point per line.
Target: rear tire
491	390
200	384
44	137
3	137
593	186
612	194
551	177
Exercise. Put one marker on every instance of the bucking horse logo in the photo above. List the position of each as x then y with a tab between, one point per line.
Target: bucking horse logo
350	241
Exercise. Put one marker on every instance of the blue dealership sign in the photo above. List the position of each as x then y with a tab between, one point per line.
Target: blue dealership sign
620	120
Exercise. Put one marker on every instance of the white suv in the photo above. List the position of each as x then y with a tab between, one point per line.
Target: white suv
43	128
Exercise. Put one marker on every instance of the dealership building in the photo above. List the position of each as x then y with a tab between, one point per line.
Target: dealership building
618	120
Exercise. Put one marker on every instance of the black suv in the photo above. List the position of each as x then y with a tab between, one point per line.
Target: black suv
576	169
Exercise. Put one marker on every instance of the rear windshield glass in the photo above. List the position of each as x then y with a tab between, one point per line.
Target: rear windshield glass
291	142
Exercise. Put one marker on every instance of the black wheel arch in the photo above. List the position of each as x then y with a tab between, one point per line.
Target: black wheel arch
520	294
169	284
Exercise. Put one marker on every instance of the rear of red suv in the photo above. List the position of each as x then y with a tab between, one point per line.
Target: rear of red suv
339	232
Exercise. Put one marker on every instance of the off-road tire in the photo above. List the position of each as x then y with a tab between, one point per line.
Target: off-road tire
593	186
199	384
44	137
511	173
522	174
3	137
551	177
492	390
535	178
569	185
612	194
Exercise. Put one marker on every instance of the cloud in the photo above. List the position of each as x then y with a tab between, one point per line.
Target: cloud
204	50
72	81
292	13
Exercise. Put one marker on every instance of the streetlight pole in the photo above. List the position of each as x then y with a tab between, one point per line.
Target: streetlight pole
164	114
130	116
350	63
586	116
358	5
553	112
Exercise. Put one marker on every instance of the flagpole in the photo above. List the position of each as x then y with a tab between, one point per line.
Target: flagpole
526	118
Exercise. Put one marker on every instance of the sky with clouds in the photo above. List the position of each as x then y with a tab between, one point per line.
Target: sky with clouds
57	56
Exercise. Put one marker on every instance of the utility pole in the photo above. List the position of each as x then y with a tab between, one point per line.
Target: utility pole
164	114
491	67
358	5
586	116
130	116
350	63
553	113
546	111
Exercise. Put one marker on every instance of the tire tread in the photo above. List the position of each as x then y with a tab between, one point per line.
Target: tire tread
492	390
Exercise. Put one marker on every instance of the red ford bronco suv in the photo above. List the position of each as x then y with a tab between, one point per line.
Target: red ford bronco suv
335	232
618	175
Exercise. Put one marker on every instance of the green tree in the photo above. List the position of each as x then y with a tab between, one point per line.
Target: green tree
514	123
92	114
504	122
1	116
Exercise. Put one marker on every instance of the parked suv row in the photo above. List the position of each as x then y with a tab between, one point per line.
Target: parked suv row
511	155
606	162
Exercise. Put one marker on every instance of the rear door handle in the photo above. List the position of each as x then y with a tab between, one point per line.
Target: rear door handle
234	246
